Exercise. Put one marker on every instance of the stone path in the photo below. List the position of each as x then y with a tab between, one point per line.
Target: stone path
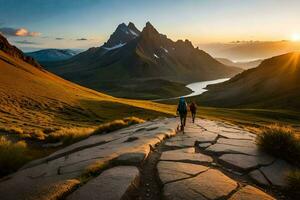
214	160
211	160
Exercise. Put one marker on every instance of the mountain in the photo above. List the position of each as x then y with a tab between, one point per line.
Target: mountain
250	50
33	99
243	65
130	55
273	84
48	55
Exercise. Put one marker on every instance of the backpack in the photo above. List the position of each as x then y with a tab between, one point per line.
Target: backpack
182	107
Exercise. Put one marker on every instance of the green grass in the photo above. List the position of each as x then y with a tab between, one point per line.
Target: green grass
12	155
280	141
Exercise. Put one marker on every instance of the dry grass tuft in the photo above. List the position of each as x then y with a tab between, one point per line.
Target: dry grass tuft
11	130
280	141
94	170
294	183
69	135
117	124
12	155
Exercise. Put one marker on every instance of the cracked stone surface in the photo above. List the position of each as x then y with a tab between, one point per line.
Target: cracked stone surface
171	171
211	184
41	178
112	184
227	148
259	177
277	172
187	154
245	162
250	193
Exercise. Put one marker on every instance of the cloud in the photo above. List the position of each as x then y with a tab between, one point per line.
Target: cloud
58	38
26	42
81	39
18	32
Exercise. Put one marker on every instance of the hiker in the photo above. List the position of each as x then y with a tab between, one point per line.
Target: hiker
182	110
193	109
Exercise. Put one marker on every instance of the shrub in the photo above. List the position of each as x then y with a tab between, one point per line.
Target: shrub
12	155
294	183
69	135
117	124
280	141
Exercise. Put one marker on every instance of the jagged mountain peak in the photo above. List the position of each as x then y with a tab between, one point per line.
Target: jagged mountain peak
122	35
149	28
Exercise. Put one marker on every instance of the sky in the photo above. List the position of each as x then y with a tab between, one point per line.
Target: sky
36	24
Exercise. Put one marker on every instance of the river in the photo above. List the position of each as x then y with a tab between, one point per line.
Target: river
198	88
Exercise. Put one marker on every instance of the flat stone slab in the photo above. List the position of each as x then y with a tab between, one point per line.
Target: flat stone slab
112	184
277	172
237	142
257	176
211	184
171	171
226	148
243	162
250	193
185	155
204	145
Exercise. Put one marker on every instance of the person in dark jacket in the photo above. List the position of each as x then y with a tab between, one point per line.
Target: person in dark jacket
182	110
193	109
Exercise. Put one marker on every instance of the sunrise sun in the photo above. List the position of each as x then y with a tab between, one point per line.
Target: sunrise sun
296	37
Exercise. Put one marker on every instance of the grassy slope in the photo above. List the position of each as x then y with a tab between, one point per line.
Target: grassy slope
32	98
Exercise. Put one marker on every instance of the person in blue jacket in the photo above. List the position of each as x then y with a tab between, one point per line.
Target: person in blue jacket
182	111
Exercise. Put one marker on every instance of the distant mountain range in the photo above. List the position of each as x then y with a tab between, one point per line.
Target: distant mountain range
273	84
132	55
48	55
243	65
242	51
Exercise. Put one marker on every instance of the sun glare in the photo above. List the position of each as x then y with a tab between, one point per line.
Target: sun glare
296	37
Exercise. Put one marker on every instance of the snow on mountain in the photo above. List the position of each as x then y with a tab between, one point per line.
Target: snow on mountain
47	55
114	47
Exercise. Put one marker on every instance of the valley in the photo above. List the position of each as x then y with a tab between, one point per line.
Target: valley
201	103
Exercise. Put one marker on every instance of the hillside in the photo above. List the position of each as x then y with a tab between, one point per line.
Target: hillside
243	65
273	84
48	55
32	98
132	55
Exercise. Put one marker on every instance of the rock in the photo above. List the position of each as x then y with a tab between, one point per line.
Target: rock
237	135
204	136
235	142
185	155
226	148
132	158
243	162
181	141
171	171
204	145
250	193
257	176
277	172
112	184
211	184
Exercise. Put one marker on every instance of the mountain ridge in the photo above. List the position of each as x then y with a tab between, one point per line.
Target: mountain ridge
273	84
151	55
